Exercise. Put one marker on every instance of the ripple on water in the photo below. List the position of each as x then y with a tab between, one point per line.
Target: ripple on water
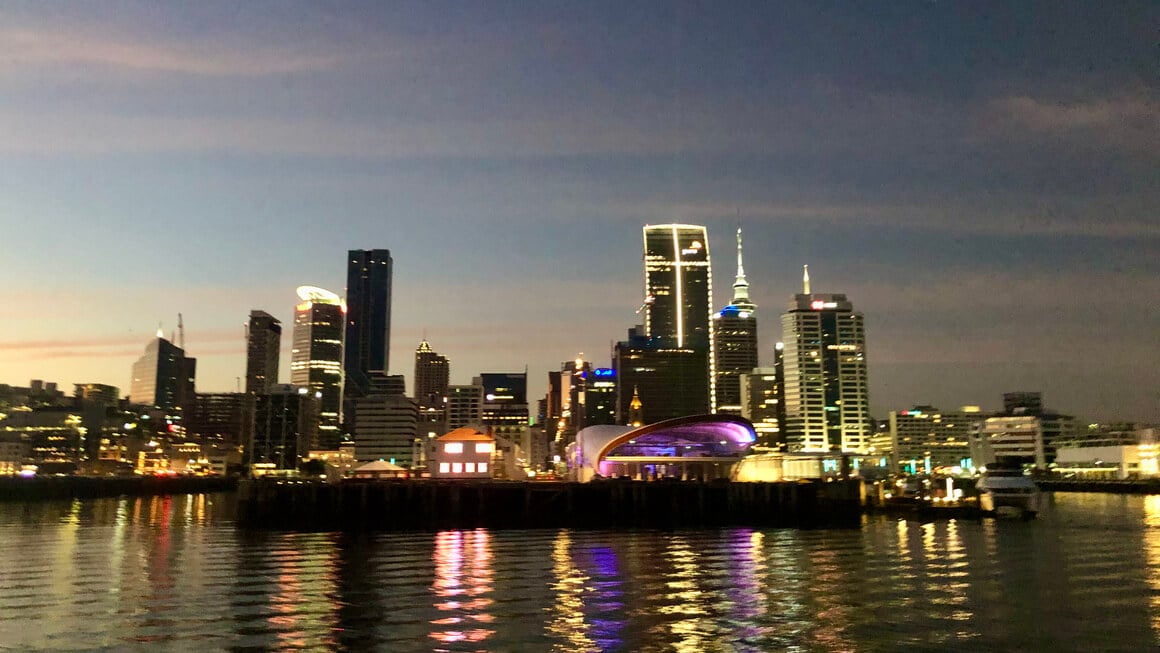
175	574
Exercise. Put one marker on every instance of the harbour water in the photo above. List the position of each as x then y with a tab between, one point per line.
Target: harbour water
175	573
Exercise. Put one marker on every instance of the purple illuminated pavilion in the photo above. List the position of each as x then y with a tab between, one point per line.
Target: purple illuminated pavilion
698	446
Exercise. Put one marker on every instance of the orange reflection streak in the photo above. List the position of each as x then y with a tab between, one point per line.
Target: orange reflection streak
1152	554
285	603
462	585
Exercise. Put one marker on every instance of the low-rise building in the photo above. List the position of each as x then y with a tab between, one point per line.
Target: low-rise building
462	453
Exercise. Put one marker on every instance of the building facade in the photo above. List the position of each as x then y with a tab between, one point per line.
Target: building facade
386	427
678	287
464	406
285	428
368	319
761	403
826	393
924	439
670	382
316	357
263	349
735	349
432	376
163	377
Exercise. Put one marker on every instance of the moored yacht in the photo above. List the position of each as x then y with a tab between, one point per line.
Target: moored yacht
1008	487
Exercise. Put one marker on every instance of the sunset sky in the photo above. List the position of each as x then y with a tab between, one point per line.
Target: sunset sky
981	179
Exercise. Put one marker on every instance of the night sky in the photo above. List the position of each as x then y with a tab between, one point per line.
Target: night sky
982	180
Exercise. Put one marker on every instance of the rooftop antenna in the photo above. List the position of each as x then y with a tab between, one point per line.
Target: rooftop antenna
806	279
180	332
160	333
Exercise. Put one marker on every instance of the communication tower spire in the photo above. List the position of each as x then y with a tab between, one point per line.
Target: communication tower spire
180	332
806	279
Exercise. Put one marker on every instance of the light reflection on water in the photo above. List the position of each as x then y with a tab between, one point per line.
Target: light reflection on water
174	573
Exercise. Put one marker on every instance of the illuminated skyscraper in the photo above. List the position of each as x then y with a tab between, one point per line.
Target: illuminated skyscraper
316	359
368	318
678	284
826	397
735	349
263	347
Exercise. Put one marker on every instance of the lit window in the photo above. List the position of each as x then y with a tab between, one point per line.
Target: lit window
483	447
482	468
456	468
444	468
453	447
469	468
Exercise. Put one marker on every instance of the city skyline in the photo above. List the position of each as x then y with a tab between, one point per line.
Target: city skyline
993	218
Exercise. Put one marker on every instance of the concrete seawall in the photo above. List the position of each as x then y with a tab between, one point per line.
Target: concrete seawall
91	487
426	504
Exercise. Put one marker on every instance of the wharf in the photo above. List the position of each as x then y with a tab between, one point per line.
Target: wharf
92	487
440	504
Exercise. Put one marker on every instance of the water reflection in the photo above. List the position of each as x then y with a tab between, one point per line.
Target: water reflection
462	587
1152	555
174	573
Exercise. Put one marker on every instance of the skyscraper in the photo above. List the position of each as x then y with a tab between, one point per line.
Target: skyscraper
263	347
678	285
432	374
285	423
826	398
678	328
316	357
669	381
368	318
735	349
164	376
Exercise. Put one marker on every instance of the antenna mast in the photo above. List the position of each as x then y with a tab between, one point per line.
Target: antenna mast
180	332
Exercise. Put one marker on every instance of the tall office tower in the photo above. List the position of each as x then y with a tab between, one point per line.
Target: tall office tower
385	429
826	398
432	375
285	427
316	357
263	348
368	318
601	402
163	377
464	405
505	403
678	281
735	349
761	404
670	381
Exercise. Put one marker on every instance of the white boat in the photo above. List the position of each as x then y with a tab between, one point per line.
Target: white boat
1008	488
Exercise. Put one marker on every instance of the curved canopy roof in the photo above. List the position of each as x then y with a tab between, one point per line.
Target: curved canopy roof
717	436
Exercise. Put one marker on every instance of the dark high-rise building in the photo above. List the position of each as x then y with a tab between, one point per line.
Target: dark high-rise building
601	401
678	304
735	333
505	403
316	359
432	376
826	396
368	318
285	426
670	381
221	419
163	377
263	348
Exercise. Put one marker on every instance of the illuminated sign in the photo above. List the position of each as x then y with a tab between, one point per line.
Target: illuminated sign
818	304
604	371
